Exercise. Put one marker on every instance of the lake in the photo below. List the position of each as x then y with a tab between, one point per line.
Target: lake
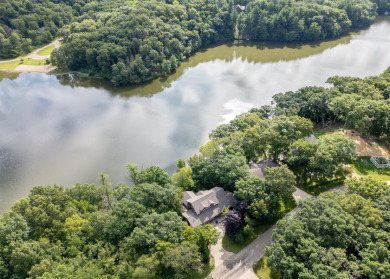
64	130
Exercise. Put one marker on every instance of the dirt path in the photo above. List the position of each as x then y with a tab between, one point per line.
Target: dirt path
365	147
38	69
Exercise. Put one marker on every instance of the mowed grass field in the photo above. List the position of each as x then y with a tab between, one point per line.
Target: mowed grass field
262	270
46	51
28	61
363	166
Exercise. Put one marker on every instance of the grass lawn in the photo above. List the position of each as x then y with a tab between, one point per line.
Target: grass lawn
317	189
334	128
206	270
56	71
232	246
263	271
363	166
12	65
46	51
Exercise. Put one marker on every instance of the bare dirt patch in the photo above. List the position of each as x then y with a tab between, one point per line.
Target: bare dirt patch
39	69
366	147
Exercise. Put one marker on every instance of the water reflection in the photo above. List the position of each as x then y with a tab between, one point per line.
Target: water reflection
8	75
65	130
261	52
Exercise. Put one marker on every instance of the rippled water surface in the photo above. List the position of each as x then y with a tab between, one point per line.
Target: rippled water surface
64	130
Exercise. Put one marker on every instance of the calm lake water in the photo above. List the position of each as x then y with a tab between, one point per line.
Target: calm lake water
64	130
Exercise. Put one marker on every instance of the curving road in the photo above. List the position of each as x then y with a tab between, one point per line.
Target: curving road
34	54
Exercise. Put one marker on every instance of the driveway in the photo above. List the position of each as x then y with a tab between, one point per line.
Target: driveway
240	266
219	254
300	195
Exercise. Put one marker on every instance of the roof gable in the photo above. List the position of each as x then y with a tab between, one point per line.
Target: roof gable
208	205
259	169
203	200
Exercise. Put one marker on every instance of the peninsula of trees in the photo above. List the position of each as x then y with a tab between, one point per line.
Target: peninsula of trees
134	41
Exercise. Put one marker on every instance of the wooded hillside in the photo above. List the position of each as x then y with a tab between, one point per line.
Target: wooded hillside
134	41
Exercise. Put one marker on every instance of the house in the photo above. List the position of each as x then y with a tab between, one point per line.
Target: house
239	8
259	169
206	205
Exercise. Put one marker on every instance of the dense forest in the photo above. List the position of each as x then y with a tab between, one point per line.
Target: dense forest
133	41
26	24
90	231
337	236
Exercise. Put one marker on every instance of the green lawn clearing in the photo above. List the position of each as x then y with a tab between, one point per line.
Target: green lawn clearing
363	166
28	61
46	51
263	271
317	189
334	128
232	246
9	65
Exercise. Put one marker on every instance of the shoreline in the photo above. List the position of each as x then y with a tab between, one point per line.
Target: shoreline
51	70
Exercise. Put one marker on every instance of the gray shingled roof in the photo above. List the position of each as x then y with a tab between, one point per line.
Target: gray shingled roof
186	196
312	138
203	201
208	205
259	169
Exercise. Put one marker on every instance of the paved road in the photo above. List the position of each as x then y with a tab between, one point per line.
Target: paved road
34	54
240	265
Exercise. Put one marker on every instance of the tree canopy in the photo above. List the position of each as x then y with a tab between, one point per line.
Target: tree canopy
335	236
105	231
